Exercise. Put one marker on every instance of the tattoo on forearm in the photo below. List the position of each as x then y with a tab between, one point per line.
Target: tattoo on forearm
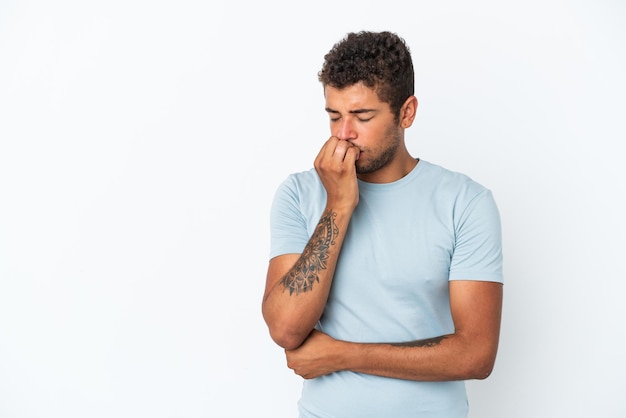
430	342
314	258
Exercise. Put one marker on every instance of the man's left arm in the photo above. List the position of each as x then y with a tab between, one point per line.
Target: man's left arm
468	353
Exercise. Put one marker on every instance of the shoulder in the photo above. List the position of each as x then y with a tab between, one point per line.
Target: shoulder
304	184
303	179
451	183
303	192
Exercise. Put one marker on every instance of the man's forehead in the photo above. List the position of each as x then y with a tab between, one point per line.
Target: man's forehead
354	97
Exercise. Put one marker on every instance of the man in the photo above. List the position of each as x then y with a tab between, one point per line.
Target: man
384	285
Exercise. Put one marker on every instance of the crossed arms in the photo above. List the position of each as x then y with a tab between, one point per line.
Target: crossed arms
296	292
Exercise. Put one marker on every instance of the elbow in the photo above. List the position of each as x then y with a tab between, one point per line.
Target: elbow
286	339
479	368
477	359
482	371
283	333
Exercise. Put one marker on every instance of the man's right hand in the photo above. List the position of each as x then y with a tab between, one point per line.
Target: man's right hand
335	164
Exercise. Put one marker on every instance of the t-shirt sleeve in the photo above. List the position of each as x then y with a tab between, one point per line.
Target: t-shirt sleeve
288	228
478	245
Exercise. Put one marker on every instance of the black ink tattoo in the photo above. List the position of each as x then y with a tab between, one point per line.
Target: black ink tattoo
429	342
314	257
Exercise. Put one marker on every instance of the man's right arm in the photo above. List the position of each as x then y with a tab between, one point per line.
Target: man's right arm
297	285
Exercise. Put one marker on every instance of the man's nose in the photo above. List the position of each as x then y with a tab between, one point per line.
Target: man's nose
346	130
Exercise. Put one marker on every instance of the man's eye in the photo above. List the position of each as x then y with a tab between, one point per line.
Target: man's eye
335	119
365	119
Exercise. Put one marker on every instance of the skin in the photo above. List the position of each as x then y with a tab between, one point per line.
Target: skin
367	143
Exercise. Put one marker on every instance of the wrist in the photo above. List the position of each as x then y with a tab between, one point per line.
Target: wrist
346	356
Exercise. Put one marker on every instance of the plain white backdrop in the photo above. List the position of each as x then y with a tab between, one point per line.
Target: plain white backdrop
141	143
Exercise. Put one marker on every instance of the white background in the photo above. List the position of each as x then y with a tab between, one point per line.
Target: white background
141	143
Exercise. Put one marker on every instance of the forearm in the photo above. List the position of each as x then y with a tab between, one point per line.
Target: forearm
297	292
468	353
445	358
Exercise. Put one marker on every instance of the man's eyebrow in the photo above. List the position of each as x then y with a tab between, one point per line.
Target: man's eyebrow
355	111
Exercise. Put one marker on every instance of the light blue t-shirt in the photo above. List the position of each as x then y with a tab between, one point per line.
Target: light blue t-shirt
405	241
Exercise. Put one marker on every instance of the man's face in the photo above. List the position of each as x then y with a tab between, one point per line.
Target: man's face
358	116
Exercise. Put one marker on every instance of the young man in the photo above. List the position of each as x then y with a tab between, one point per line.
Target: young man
384	284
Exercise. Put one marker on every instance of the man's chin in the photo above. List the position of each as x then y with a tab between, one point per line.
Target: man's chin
363	169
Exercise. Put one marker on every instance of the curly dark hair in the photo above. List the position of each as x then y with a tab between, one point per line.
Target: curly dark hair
381	60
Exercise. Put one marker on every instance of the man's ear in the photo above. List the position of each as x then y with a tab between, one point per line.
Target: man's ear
408	111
